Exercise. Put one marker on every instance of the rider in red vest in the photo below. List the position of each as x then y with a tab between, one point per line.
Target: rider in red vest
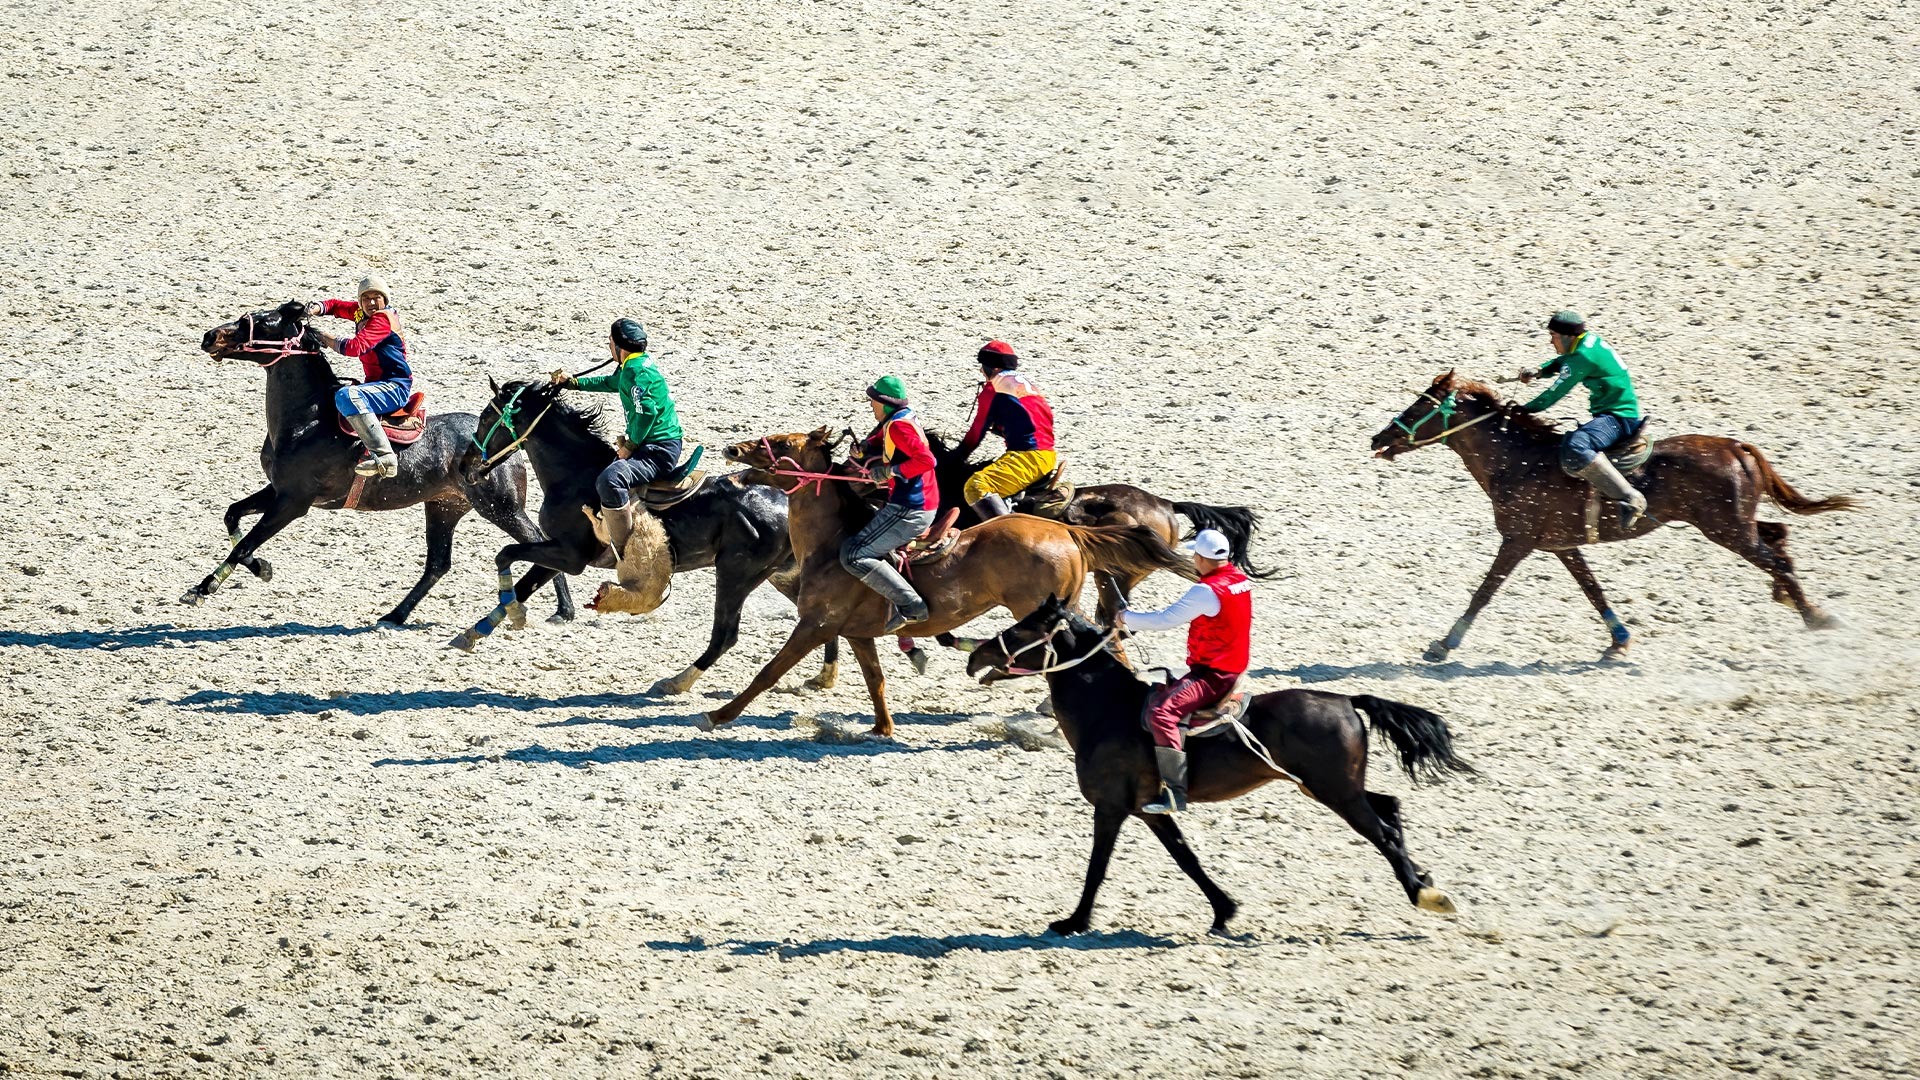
1218	615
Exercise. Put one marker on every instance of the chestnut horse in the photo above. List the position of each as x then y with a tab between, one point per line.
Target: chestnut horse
1712	483
1014	562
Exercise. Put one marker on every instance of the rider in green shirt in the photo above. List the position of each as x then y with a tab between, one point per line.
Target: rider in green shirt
651	446
1583	359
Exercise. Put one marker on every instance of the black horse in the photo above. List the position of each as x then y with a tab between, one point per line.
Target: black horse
309	461
738	529
1314	739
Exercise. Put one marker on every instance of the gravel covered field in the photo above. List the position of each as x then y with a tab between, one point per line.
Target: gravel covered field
261	837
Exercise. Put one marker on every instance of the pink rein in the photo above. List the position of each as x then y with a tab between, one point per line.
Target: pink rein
286	347
801	476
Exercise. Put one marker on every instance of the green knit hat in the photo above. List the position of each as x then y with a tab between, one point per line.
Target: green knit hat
889	390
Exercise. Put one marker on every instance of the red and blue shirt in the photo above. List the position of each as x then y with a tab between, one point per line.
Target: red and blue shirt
900	442
1013	408
376	342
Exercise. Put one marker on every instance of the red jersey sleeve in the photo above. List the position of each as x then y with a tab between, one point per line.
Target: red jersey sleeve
907	440
371	333
340	309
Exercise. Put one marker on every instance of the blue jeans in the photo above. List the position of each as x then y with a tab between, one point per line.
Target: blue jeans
650	462
1592	439
378	398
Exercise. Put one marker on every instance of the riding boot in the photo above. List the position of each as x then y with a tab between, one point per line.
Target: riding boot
990	506
379	460
1607	480
619	523
1173	780
906	606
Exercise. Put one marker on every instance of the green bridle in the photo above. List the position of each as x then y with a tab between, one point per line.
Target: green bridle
504	418
1445	410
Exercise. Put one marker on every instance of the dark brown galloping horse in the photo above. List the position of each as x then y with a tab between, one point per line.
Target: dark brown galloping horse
1015	562
1712	483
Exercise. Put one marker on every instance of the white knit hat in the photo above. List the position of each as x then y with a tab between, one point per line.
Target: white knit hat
374	283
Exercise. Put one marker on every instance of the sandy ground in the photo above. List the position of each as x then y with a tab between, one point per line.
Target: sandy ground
259	837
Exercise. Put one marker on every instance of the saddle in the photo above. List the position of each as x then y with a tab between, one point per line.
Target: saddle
936	543
677	486
1215	718
1046	497
1633	451
404	426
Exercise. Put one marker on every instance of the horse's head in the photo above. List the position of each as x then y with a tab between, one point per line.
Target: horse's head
1050	634
810	451
505	422
265	337
1430	414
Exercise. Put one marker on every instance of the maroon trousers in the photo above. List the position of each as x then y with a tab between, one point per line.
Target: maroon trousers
1174	702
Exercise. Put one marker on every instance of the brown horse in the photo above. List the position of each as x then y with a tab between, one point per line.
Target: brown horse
1712	483
1015	562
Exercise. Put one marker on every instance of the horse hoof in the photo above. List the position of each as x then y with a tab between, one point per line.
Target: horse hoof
1432	899
262	569
192	597
1616	651
881	732
1045	708
706	721
465	640
560	617
675	684
1823	621
390	623
1067	927
516	616
918	658
824	681
1436	652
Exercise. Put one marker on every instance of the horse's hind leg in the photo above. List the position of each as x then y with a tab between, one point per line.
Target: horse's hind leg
729	597
1748	541
1508	557
256	503
281	514
508	511
1106	827
442	516
1358	811
1170	838
1774	535
1576	565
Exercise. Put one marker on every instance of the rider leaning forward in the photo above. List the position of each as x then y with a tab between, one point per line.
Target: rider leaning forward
650	446
896	453
382	351
1218	615
1582	359
1012	407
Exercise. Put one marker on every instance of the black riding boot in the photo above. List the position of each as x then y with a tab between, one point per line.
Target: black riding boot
990	506
1173	780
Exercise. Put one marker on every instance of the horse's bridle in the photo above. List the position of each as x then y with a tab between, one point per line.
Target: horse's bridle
1444	408
287	347
1051	663
803	477
504	417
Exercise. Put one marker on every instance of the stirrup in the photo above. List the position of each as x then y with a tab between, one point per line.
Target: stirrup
1167	803
897	619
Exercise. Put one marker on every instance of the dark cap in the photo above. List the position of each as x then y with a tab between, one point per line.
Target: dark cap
1567	322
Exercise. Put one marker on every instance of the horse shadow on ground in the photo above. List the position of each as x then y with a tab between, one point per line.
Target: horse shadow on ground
701	749
169	635
925	947
263	703
781	721
1441	672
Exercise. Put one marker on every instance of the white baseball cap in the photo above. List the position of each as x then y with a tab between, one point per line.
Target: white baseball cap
1211	544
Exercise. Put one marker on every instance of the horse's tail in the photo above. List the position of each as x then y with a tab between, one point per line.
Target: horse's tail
1237	523
1127	550
1782	493
1425	744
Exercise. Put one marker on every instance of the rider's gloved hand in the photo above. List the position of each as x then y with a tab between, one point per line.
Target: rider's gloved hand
560	378
1529	374
315	307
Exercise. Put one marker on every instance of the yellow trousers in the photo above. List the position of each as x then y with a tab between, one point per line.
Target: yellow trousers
1014	470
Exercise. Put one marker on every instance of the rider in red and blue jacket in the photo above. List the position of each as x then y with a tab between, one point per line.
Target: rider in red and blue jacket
1012	407
898	452
377	343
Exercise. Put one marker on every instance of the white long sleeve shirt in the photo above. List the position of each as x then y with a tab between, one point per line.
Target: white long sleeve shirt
1198	601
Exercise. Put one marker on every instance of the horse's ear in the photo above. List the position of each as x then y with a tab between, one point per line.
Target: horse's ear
492	383
1446	378
293	311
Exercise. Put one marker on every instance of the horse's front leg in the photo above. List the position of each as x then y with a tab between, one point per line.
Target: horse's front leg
806	637
1576	565
876	679
442	516
550	558
729	596
1509	556
283	512
256	503
1170	838
1106	828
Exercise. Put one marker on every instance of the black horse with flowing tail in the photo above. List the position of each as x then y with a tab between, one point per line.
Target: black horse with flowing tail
740	530
1315	739
309	461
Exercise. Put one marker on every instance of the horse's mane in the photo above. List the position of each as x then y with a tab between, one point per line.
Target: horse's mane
1512	416
587	419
